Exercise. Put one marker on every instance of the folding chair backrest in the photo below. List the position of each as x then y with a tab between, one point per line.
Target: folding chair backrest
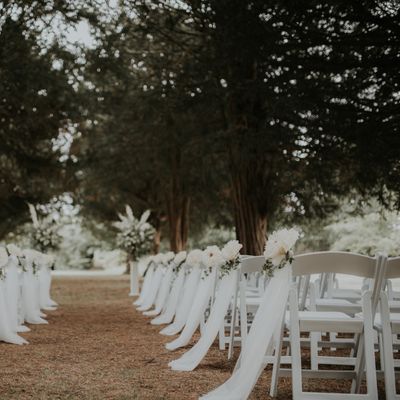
335	262
393	268
252	264
347	263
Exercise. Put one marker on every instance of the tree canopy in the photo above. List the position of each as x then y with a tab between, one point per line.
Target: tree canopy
220	111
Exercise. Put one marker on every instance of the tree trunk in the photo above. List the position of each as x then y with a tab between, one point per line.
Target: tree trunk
178	217
157	236
178	203
250	223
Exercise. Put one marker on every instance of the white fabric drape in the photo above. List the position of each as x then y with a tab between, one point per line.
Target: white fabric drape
145	287
168	314
203	294
162	294
7	332
189	360
30	296
266	322
13	292
185	303
45	301
153	290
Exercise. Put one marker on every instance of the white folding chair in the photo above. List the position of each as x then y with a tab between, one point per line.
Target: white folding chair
246	300
317	321
388	325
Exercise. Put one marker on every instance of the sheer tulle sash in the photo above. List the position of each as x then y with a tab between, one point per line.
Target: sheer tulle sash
189	360
266	322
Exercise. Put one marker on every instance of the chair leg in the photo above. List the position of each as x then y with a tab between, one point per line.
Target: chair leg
381	352
387	348
233	322
221	337
366	356
353	351
314	337
297	387
277	363
359	367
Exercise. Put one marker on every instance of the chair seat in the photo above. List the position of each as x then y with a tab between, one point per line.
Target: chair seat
328	321
346	294
340	305
394	306
394	321
340	302
322	315
253	301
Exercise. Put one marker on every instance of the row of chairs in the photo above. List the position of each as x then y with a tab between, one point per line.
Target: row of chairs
318	312
25	282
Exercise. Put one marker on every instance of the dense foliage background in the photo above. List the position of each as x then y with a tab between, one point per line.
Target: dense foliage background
223	117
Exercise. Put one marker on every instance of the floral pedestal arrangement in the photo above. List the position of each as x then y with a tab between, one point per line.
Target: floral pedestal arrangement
134	278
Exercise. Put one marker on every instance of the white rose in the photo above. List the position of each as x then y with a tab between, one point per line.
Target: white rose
3	257
180	258
212	257
231	250
168	257
14	250
279	243
194	258
45	259
149	260
158	258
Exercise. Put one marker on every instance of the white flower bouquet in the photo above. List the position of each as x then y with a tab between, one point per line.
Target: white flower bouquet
167	258
45	233
179	259
230	253
194	258
135	236
3	263
279	250
14	250
211	258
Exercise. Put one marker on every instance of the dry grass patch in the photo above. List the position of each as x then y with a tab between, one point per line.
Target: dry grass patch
98	347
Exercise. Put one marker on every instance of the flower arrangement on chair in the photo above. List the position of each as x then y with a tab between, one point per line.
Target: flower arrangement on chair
279	250
231	253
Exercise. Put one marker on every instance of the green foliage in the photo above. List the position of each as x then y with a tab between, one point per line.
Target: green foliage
367	234
216	112
252	102
37	104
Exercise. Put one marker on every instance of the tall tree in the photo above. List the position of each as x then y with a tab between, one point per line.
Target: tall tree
304	88
37	103
149	140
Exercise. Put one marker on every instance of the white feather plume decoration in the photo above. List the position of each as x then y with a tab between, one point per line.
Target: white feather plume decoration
129	213
145	216
34	216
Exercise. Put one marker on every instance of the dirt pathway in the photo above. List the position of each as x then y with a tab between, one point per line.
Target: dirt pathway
97	346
